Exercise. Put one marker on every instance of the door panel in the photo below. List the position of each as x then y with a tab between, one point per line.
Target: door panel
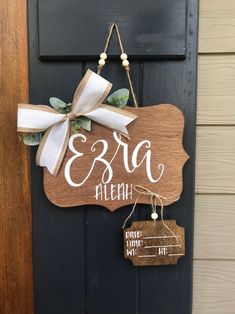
78	252
155	30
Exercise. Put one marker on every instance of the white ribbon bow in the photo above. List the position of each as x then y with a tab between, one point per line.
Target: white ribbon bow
88	101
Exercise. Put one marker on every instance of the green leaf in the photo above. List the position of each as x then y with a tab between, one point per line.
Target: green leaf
75	126
32	139
57	103
84	123
64	110
119	98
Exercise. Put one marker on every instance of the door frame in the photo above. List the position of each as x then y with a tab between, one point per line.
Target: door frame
16	280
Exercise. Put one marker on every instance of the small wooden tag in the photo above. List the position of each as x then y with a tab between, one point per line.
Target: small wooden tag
149	243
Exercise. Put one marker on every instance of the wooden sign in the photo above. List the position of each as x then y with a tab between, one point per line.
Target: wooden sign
149	243
102	167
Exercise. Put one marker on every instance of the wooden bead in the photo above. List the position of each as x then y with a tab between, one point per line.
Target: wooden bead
103	56
125	63
101	62
154	216
123	56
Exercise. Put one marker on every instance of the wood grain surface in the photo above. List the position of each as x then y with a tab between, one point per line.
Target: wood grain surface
153	243
167	160
16	289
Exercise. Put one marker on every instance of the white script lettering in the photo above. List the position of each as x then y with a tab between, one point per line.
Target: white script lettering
108	172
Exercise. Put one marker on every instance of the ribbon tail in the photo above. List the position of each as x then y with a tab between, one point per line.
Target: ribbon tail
113	118
53	146
31	118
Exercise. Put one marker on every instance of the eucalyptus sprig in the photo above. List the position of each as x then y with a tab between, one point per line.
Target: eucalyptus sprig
117	99
77	123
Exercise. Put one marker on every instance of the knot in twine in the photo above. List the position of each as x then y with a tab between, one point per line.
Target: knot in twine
154	197
71	115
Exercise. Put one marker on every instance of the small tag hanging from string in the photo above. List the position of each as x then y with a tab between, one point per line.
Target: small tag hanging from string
153	242
123	57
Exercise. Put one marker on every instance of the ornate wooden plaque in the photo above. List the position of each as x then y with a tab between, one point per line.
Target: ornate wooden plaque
149	243
101	167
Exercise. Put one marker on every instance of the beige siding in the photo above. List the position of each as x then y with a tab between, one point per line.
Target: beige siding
214	244
214	283
215	159
217	25
214	227
216	88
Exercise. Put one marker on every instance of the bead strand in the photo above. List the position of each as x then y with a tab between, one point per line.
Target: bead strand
123	57
103	57
125	62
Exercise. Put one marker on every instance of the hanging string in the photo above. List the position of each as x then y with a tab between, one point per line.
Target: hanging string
154	198
123	57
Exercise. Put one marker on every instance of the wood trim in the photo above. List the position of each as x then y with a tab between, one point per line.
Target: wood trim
16	287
